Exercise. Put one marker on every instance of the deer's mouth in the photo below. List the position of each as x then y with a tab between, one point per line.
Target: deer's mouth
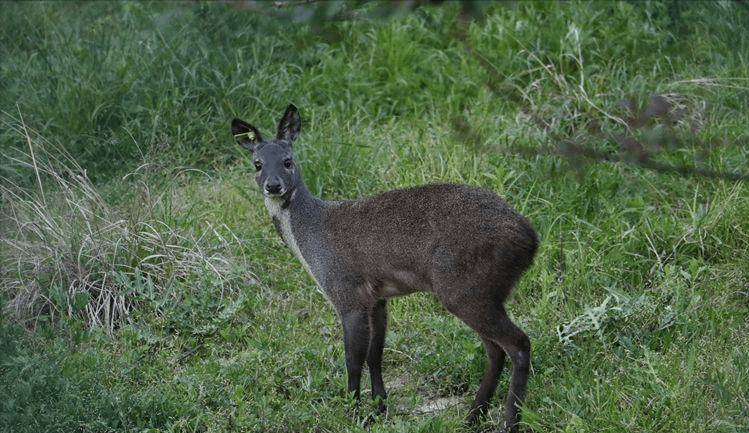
279	195
274	189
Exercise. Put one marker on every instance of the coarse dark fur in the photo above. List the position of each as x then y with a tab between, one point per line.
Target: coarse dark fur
463	243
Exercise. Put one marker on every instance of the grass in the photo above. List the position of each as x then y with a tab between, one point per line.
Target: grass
143	287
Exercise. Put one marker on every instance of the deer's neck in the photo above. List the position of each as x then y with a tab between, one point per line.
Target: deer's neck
299	219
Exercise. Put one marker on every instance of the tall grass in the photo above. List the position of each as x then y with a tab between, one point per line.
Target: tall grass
143	287
69	254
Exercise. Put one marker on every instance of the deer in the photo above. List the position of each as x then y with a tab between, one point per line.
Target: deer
462	243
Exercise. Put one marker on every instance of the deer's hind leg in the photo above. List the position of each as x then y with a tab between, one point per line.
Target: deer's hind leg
518	347
489	319
489	383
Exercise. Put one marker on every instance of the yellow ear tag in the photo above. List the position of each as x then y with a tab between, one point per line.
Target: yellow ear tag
250	135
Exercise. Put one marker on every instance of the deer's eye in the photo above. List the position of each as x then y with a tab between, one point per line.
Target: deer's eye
287	163
258	165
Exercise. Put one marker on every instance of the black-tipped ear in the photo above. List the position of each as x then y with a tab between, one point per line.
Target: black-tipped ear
290	125
245	134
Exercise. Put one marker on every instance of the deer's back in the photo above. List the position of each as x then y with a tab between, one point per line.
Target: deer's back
413	233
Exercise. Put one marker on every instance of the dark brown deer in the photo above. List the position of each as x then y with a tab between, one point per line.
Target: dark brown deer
461	242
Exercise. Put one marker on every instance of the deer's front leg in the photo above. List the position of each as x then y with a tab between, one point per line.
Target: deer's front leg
356	342
378	328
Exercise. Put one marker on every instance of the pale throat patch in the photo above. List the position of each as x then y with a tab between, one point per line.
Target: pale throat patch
284	225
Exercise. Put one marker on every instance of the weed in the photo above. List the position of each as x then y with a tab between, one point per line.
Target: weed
70	255
143	287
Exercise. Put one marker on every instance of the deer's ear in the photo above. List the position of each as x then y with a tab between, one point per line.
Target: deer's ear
245	134
290	125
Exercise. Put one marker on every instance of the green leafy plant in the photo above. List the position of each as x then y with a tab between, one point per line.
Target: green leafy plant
143	287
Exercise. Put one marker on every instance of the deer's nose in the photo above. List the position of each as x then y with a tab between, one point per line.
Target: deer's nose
273	187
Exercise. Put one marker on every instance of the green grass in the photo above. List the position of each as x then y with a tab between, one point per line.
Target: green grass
143	288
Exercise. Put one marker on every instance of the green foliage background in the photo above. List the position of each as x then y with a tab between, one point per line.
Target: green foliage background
143	288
